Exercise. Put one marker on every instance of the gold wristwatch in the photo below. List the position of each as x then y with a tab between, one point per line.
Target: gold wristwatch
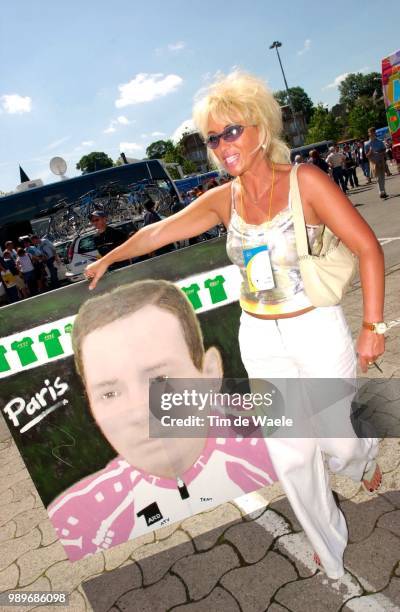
379	328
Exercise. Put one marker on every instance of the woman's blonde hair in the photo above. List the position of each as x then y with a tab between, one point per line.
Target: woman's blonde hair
243	97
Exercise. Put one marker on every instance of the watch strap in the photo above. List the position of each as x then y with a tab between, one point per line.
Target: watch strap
370	326
375	326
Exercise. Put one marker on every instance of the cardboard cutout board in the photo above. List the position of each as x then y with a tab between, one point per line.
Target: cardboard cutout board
96	495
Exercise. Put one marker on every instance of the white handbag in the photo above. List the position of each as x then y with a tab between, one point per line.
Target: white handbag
325	276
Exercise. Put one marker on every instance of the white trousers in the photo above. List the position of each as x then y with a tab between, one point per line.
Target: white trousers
317	344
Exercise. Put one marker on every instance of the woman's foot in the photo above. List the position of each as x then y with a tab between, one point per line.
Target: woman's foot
372	479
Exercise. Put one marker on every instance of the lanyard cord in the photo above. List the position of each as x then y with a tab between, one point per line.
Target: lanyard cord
269	207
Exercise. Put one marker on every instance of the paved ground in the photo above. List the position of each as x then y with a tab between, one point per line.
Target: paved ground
248	555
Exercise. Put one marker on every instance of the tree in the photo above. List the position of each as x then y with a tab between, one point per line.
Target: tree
171	154
300	99
94	161
323	126
359	85
159	148
366	113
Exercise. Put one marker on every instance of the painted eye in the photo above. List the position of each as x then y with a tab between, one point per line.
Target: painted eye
109	395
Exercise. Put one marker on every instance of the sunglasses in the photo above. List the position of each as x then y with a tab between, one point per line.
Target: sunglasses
229	134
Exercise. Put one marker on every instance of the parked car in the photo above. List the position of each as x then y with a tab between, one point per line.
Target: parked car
81	251
62	252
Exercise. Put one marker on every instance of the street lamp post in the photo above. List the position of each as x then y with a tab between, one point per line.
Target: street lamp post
275	45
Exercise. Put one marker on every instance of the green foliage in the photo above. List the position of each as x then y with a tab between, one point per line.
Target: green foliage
300	99
171	154
358	85
159	148
323	126
365	114
361	96
94	161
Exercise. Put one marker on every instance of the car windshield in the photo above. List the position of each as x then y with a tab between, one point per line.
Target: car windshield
62	249
86	244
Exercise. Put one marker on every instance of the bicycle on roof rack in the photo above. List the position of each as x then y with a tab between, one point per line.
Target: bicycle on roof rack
149	189
119	203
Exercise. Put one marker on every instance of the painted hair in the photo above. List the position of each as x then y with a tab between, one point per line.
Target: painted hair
128	299
242	97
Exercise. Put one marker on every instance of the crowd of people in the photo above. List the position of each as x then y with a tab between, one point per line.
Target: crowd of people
372	156
192	194
28	267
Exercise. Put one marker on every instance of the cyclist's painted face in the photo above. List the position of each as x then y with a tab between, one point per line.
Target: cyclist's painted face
118	360
237	156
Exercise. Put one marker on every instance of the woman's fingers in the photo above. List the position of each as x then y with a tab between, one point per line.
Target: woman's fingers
93	283
363	361
93	273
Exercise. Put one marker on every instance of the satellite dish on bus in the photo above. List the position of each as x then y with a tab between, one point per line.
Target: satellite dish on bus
58	166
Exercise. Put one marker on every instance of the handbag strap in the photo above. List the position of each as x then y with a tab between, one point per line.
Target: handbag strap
300	231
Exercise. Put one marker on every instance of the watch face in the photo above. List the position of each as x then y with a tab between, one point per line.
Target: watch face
381	328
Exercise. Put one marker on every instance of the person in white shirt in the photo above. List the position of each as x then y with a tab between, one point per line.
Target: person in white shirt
9	246
25	266
336	161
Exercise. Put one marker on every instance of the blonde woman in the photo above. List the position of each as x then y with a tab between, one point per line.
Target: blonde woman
281	334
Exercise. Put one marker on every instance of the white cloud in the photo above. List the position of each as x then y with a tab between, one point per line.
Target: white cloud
114	123
123	120
178	46
87	143
306	47
185	126
57	143
130	147
172	48
158	134
15	104
341	77
144	135
336	82
147	87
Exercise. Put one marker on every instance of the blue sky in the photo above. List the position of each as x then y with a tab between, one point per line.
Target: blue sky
111	76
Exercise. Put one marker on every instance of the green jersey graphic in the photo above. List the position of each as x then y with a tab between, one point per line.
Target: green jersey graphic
191	293
68	328
216	289
25	353
4	365
52	343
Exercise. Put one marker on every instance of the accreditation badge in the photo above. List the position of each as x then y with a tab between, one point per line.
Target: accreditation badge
258	268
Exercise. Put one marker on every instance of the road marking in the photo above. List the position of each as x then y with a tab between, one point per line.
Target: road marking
298	546
384	241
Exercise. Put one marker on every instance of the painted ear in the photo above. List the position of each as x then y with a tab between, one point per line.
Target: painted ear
212	364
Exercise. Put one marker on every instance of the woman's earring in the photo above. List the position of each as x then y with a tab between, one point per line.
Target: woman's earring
263	146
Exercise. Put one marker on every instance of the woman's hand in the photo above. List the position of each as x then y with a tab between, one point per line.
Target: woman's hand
95	271
370	346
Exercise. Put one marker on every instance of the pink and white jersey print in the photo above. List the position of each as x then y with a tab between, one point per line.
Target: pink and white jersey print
120	503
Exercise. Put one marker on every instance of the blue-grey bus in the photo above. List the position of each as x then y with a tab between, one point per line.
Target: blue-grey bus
19	210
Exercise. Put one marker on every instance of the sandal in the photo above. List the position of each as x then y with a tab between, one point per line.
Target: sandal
370	476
